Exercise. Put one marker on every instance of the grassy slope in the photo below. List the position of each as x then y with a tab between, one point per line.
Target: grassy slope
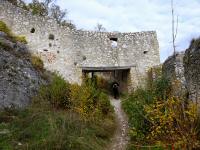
46	125
42	128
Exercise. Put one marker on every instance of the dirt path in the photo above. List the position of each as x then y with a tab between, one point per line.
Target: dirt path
120	139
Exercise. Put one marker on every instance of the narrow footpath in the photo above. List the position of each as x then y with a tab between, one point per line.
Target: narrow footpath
120	138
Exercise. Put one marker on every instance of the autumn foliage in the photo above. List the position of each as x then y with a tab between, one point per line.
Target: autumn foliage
157	117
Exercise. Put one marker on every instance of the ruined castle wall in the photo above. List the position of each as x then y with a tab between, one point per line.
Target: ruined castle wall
57	54
173	69
192	70
72	49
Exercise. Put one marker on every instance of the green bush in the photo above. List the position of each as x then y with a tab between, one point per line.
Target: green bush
157	118
57	93
104	103
161	88
89	101
134	107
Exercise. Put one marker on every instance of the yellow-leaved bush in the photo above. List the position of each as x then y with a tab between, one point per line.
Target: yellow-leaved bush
173	122
89	101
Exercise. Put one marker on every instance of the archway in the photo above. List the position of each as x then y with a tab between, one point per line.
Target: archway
111	74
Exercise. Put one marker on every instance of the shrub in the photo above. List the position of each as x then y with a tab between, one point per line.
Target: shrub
89	101
37	63
37	8
172	123
134	107
103	84
57	93
156	117
162	88
104	103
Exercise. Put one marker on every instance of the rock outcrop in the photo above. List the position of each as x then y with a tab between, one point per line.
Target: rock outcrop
19	80
192	70
184	72
173	69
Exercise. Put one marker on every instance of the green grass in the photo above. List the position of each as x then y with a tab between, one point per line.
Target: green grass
51	122
38	128
4	28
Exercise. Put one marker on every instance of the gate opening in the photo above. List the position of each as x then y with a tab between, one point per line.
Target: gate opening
106	77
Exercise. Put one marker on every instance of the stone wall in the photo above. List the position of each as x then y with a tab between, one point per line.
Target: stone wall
67	50
173	69
192	70
184	72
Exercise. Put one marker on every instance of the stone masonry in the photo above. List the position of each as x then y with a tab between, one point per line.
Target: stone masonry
192	70
173	70
67	51
184	72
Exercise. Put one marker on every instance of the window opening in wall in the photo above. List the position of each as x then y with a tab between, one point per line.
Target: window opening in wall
114	42
84	58
113	39
51	37
33	30
145	52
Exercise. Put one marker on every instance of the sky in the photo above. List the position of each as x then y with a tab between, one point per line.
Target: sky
139	15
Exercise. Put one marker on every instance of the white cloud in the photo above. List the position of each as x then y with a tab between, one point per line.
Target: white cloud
138	15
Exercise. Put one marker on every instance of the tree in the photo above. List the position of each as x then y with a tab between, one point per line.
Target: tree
174	33
48	8
48	2
99	27
57	13
38	8
45	8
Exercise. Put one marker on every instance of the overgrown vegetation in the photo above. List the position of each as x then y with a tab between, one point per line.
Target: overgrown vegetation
14	38
158	118
62	116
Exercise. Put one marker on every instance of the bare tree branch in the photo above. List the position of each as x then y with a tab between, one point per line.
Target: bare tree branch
176	27
174	31
173	34
99	27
